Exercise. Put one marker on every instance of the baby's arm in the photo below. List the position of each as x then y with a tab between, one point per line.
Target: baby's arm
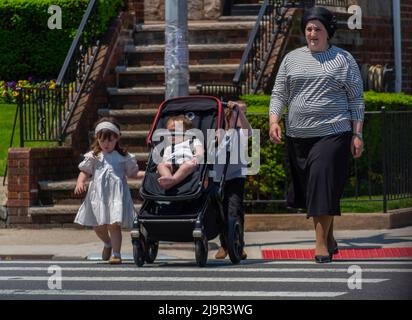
81	183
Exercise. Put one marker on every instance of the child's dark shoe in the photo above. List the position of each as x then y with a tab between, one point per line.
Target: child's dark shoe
106	253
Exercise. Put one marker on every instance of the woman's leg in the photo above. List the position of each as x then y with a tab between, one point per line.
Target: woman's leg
116	236
331	238
322	226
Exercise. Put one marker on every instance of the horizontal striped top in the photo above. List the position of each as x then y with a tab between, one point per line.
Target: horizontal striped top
322	91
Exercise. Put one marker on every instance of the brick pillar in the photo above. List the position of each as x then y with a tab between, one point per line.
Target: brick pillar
27	166
19	196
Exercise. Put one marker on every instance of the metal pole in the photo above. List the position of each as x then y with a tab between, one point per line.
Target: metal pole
176	49
397	44
384	164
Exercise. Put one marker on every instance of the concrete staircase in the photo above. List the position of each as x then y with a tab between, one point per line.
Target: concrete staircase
215	51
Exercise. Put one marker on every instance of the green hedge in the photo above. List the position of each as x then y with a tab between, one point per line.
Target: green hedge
29	47
272	171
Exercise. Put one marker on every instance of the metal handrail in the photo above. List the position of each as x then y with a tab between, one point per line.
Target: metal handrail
74	74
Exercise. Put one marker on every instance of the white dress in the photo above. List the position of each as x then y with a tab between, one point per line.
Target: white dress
182	152
108	198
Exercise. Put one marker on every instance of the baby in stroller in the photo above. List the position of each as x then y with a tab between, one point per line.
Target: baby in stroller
182	156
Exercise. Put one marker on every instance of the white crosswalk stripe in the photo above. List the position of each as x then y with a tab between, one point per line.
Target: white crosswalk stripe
169	293
187	279
214	270
98	279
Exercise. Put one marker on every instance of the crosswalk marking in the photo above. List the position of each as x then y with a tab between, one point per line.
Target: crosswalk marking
253	280
186	279
215	270
177	293
169	261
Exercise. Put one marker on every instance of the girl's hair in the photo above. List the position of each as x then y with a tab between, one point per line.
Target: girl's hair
187	124
106	134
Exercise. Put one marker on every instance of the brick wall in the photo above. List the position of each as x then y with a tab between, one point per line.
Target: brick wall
26	166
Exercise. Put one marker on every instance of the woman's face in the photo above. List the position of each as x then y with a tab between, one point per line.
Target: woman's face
316	36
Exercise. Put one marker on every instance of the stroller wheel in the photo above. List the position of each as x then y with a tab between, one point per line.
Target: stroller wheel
139	252
235	246
201	251
151	251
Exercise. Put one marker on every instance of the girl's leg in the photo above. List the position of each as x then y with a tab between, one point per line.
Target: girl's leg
116	236
102	233
322	225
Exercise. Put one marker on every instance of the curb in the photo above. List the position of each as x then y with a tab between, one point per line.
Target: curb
348	221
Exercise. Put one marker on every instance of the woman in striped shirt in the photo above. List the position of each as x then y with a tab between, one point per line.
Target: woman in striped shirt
321	87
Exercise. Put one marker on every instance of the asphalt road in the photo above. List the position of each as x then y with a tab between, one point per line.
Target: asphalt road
183	280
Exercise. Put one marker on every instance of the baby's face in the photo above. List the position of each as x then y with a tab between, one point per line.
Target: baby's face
176	128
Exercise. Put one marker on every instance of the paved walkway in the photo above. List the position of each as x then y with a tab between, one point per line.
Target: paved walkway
80	244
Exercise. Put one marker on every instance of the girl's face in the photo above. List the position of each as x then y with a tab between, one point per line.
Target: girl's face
108	144
316	36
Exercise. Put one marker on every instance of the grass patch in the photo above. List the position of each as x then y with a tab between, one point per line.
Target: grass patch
7	113
351	205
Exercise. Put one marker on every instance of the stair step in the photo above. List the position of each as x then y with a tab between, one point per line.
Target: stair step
212	68
154	90
245	9
127	112
60	209
210	32
69	185
239	18
134	134
201	26
192	48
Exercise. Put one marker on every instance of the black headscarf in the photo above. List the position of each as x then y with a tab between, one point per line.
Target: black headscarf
321	14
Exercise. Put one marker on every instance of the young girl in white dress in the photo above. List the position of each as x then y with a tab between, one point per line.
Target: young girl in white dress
108	205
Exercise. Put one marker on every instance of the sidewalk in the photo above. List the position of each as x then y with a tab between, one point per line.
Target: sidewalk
83	244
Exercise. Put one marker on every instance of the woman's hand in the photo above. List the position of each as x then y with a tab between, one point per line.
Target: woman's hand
275	133
356	147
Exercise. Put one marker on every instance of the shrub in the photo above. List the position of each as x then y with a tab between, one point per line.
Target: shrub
29	47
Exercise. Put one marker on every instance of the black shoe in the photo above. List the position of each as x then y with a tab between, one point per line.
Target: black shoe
323	259
335	249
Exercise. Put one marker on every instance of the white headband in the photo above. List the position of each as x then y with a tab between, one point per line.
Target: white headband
106	125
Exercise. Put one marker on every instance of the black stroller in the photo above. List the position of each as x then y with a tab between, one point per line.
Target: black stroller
192	210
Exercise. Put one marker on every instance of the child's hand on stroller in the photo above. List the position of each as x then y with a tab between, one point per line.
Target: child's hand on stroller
241	106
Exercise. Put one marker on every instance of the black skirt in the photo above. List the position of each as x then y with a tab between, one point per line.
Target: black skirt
319	168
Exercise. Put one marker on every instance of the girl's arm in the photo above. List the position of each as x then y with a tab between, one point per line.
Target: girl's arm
140	174
81	183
